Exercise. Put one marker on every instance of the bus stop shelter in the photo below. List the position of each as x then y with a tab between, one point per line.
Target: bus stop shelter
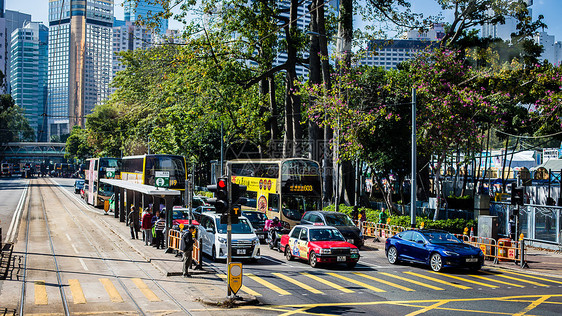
141	195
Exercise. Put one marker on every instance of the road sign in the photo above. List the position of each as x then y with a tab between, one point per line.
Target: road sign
162	179
235	276
110	172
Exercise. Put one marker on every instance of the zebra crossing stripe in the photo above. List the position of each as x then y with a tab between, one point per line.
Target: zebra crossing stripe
466	280
412	281
145	290
114	295
384	282
438	280
76	290
268	284
298	283
40	293
328	283
243	288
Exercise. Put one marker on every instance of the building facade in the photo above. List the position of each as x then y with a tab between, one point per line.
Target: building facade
141	10
11	21
28	69
80	35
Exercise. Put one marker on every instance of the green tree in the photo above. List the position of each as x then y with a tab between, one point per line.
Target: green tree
77	147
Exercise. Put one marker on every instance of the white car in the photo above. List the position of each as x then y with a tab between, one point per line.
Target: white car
245	242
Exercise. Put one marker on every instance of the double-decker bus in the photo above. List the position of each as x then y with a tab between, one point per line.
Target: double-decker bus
96	192
292	185
6	169
142	169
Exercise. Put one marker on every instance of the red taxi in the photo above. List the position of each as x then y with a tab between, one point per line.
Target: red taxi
181	216
319	244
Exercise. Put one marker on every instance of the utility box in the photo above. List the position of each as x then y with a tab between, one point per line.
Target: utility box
481	205
488	226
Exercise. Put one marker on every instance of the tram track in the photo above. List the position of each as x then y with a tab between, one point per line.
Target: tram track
116	244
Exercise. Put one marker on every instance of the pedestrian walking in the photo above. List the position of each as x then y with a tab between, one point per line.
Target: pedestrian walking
159	227
186	246
131	223
147	226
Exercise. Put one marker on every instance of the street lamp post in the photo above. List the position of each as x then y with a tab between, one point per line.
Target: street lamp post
413	188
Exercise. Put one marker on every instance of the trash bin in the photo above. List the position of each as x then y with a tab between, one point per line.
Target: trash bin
503	245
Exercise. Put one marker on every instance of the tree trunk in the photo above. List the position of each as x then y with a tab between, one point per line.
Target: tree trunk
274	120
315	77
504	177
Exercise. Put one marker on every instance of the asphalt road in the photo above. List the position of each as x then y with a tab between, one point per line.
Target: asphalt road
375	287
11	189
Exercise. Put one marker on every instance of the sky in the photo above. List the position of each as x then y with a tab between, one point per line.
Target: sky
550	9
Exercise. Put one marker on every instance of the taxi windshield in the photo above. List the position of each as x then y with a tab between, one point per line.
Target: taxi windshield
180	215
329	234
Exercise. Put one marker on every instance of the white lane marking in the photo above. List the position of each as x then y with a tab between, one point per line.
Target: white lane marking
83	264
17	216
68	237
74	247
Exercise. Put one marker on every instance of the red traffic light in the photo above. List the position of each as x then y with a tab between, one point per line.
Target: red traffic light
221	183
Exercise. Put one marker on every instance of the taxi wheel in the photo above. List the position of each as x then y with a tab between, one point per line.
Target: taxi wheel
288	254
312	259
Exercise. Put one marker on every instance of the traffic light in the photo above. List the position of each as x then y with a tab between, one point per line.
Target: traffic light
517	195
220	201
235	213
237	192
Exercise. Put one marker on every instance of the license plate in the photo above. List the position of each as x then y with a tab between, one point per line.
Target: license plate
240	251
350	241
471	259
261	236
341	258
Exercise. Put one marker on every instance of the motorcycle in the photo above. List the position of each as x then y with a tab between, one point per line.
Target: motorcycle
274	237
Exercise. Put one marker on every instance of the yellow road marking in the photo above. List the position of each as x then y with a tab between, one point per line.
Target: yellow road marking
111	291
77	293
328	283
412	281
532	277
298	283
497	281
145	290
533	305
365	285
427	309
384	281
243	288
465	280
438	280
40	293
267	284
521	280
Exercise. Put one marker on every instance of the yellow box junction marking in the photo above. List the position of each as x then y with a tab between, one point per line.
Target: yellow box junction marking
111	291
365	285
412	281
328	283
533	277
40	293
427	309
267	284
438	280
145	290
493	280
517	279
298	283
77	293
243	288
533	305
465	280
384	281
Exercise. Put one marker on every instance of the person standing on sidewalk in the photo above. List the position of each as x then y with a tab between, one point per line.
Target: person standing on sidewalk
146	226
159	227
186	246
131	223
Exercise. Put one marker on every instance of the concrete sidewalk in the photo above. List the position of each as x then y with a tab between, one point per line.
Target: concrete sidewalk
539	261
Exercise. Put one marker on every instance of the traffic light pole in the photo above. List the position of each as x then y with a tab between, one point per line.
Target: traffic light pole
229	228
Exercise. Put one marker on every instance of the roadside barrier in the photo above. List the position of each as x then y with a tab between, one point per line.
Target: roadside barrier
174	240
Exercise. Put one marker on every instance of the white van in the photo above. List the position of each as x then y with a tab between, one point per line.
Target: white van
245	242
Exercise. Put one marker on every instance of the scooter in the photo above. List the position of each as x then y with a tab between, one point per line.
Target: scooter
274	237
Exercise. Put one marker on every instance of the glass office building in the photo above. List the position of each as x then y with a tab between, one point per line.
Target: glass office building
28	68
141	10
79	60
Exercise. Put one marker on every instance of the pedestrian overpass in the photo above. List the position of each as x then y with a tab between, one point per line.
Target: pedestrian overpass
29	152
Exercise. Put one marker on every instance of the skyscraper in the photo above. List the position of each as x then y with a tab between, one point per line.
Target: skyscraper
141	10
79	60
10	21
28	69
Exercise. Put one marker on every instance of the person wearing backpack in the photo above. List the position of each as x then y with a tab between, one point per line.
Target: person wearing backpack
186	245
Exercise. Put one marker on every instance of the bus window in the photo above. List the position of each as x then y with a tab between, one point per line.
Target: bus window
295	206
273	203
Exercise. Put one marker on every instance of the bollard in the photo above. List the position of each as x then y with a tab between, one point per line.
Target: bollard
523	262
199	265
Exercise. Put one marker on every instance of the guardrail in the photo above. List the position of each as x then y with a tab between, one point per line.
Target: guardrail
174	240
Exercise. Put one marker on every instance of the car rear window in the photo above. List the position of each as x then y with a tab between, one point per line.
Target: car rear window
338	220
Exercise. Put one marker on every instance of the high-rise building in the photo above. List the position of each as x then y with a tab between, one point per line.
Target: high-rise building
79	60
28	69
10	21
504	30
551	48
142	10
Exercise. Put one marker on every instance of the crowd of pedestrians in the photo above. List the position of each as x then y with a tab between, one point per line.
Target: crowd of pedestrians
151	226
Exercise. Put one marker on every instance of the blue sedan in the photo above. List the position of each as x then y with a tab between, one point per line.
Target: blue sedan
438	249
